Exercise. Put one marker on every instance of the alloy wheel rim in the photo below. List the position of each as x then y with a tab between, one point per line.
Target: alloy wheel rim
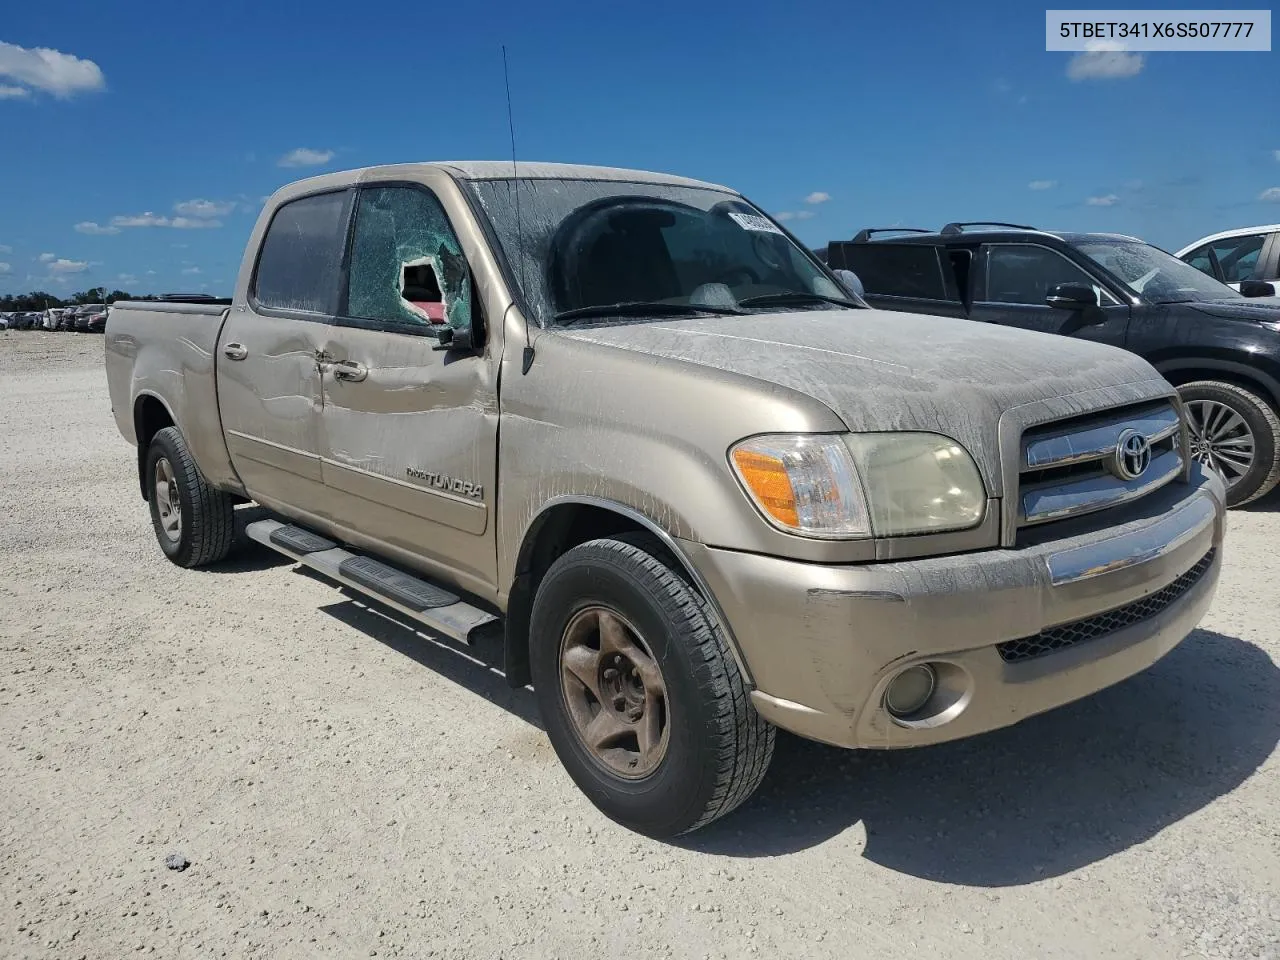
1221	439
168	503
614	691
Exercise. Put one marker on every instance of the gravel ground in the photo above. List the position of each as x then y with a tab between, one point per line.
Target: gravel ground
344	786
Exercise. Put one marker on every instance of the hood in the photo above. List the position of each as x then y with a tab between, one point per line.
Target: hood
879	370
1257	309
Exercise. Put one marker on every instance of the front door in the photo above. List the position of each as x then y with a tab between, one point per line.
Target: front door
1011	282
409	432
269	390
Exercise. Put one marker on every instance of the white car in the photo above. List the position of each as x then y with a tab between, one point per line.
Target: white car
1233	256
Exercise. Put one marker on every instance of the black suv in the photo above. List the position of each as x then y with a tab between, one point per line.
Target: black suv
1219	347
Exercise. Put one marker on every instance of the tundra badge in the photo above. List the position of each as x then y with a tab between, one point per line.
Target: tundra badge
462	488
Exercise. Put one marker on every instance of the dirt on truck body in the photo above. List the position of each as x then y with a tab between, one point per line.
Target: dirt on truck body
698	488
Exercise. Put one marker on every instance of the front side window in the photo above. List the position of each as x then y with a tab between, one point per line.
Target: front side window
579	245
1154	275
1024	274
300	266
1201	259
1238	256
407	265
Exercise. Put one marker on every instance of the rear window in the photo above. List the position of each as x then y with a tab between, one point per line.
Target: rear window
895	270
300	267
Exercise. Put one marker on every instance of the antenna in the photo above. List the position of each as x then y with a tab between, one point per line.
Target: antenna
527	360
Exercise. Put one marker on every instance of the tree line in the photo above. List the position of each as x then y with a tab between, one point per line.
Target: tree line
42	300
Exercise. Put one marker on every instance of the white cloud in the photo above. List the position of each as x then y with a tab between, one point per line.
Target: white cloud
5	268
204	208
191	271
64	266
5	248
150	219
13	93
1110	200
1277	155
1104	60
1042	184
1271	195
303	157
817	197
50	71
47	257
95	230
151	273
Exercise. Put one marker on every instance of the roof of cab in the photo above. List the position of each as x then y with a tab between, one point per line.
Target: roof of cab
499	170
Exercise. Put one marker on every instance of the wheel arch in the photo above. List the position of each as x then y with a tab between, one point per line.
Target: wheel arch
151	414
1182	369
563	523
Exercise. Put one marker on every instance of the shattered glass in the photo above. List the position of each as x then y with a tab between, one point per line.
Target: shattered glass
406	263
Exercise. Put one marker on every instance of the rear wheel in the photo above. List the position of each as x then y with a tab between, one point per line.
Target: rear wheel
641	697
1236	433
194	523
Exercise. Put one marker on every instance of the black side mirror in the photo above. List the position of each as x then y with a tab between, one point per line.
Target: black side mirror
1072	296
1257	288
454	339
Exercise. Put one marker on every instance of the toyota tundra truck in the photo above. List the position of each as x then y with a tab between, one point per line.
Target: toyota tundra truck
626	425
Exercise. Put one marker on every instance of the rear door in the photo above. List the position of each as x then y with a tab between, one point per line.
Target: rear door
911	277
271	352
1011	281
409	432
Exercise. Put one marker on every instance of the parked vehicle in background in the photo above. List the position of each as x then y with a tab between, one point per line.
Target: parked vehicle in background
67	319
4	321
1236	257
98	321
656	452
1219	348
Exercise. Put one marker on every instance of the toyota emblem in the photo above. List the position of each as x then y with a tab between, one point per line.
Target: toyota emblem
1132	456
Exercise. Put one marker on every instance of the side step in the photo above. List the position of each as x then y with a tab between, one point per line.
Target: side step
432	606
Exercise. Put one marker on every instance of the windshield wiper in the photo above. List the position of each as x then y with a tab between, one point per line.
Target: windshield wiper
795	296
641	308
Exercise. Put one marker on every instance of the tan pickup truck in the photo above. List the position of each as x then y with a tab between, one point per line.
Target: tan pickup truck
628	424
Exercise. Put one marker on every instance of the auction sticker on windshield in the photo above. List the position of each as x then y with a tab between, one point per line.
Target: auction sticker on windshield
752	221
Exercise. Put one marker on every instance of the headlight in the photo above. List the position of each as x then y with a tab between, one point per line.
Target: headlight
918	483
859	485
804	483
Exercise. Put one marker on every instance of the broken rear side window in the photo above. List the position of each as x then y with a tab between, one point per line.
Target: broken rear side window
406	263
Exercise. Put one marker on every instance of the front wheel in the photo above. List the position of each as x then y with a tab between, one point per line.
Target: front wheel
640	695
194	522
1235	433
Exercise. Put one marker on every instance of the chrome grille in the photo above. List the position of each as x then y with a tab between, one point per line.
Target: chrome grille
1090	628
1075	467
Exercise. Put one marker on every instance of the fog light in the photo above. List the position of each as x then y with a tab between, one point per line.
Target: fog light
910	690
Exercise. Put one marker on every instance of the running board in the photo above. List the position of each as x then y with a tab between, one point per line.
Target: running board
432	606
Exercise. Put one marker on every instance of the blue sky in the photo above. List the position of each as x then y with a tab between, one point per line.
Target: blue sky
151	124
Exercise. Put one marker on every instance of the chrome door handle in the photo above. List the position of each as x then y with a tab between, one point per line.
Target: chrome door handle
350	370
235	351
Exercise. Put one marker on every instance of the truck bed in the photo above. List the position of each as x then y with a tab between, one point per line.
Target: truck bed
165	353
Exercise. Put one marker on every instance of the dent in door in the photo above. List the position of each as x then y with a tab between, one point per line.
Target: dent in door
411	437
274	397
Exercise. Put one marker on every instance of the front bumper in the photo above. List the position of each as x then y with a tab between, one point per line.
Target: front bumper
822	643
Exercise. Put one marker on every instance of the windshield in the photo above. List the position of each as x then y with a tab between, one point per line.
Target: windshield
1156	276
591	244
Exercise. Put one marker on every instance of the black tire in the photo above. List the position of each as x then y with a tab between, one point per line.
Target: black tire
1262	421
207	523
719	747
